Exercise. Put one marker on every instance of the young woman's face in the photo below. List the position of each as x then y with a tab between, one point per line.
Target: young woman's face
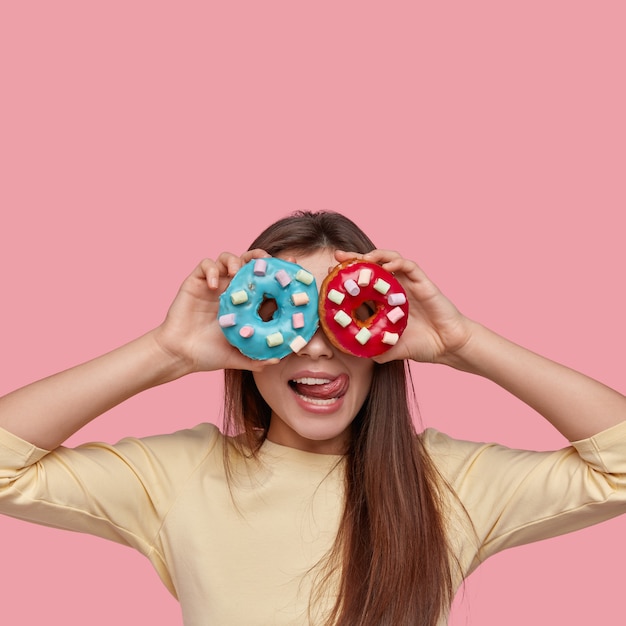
315	394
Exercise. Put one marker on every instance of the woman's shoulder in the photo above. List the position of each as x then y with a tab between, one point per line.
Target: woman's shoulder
605	451
455	458
200	434
442	446
188	446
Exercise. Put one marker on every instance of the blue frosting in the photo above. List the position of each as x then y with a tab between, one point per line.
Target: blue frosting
245	284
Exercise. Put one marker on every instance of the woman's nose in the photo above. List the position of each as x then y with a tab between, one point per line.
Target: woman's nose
318	347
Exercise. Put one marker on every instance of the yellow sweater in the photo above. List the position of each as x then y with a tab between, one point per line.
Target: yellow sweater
245	556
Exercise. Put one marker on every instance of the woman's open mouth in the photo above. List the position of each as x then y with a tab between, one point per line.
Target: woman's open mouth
321	391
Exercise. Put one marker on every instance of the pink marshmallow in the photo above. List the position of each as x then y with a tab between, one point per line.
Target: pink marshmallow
283	278
227	320
395	314
297	320
260	267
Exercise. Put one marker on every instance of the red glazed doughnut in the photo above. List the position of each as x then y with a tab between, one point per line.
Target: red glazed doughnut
363	309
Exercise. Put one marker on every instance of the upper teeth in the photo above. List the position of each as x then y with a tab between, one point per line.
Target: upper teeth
312	381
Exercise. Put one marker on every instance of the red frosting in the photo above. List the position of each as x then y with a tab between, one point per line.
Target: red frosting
355	305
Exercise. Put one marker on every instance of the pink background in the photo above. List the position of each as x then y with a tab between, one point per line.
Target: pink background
484	139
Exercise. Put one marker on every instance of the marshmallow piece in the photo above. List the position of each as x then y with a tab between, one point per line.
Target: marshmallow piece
227	320
342	318
297	320
246	331
391	339
382	286
300	299
351	287
395	314
305	277
239	297
335	296
298	343
260	267
274	339
363	336
283	278
365	276
396	299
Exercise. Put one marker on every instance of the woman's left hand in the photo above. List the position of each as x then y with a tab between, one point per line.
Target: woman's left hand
436	329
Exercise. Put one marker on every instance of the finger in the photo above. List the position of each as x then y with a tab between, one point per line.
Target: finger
390	260
347	255
226	264
241	362
382	256
386	357
258	366
256	253
209	271
374	256
229	263
394	262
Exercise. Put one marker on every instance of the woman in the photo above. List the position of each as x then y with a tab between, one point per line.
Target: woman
332	512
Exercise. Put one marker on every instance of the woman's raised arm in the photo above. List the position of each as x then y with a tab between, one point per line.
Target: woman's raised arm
48	411
575	404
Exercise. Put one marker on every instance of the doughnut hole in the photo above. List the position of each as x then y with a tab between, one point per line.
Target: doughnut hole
365	312
267	309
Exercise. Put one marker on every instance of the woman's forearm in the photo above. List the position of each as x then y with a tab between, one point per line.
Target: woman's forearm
190	339
575	404
48	411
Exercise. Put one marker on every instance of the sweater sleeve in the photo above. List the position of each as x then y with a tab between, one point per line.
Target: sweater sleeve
513	497
120	492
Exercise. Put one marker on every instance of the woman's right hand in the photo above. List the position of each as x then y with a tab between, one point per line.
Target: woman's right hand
190	331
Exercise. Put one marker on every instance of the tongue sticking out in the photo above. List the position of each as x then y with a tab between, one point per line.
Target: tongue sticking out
323	390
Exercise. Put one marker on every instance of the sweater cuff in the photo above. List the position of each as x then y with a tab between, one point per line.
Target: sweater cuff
15	453
606	450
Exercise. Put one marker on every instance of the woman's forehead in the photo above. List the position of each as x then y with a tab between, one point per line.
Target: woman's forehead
318	262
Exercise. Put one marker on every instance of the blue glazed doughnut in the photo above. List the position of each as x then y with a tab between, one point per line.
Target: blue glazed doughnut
293	323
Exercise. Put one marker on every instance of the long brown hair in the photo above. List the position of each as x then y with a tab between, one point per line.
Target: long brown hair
391	558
